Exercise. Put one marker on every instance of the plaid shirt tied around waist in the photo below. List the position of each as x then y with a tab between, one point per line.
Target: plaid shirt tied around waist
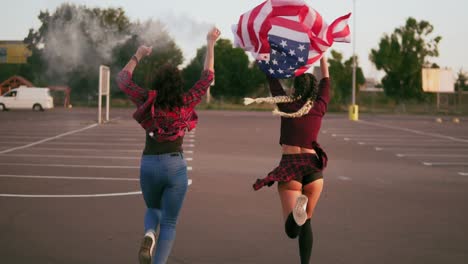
294	166
164	124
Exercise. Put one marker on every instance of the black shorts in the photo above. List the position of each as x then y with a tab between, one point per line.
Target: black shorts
311	177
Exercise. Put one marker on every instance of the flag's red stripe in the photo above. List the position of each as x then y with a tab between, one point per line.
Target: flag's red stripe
250	24
263	35
286	10
303	13
318	24
286	23
333	25
342	34
239	31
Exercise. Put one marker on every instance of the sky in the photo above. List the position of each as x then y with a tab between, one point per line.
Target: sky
189	20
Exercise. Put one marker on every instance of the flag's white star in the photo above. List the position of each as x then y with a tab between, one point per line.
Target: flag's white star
267	62
289	75
284	43
301	47
283	53
273	52
292	52
275	62
300	59
291	68
271	71
280	71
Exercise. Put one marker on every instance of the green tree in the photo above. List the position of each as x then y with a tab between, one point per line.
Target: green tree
402	55
461	82
192	71
235	77
342	77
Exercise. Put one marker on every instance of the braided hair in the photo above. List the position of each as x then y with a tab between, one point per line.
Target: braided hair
305	86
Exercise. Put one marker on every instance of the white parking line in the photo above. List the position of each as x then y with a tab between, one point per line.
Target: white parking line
69	166
88	149
401	155
68	178
344	178
430	148
445	163
69	195
372	135
416	131
20	137
396	140
463	173
48	139
188	159
70	156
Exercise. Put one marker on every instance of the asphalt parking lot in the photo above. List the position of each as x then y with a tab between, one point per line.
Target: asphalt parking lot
396	190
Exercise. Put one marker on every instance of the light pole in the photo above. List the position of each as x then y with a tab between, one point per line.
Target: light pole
354	54
353	109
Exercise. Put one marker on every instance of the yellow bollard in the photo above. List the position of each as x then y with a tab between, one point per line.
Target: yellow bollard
354	112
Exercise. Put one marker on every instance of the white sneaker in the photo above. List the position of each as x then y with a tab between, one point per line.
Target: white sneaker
146	249
299	211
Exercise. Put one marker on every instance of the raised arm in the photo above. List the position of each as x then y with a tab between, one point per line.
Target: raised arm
324	85
124	79
195	94
211	38
324	67
276	88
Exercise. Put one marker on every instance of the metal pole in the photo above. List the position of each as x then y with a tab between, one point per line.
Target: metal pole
354	55
108	95
100	98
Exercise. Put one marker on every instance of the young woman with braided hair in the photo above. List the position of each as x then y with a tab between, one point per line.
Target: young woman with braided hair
299	174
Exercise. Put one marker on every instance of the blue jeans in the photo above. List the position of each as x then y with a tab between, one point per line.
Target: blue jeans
163	180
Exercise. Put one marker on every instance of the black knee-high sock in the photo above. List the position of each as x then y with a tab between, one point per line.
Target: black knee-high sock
291	228
306	239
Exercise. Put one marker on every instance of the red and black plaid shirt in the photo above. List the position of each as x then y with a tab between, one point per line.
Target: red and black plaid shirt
295	166
166	125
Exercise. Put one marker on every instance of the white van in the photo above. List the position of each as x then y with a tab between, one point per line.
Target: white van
33	98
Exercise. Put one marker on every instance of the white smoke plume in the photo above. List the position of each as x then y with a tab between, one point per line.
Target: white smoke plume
77	39
188	33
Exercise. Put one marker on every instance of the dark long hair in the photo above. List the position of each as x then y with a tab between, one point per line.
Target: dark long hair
305	86
167	80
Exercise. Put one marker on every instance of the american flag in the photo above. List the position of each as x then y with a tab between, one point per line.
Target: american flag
285	57
263	29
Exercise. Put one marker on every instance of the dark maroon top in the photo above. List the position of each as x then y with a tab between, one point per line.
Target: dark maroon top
302	131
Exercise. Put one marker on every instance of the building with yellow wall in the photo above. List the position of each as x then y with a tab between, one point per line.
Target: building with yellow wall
13	52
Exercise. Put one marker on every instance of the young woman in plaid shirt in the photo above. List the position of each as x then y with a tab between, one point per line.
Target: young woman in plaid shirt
299	174
166	113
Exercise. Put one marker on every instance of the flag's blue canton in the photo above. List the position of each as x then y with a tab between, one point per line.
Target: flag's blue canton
286	56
